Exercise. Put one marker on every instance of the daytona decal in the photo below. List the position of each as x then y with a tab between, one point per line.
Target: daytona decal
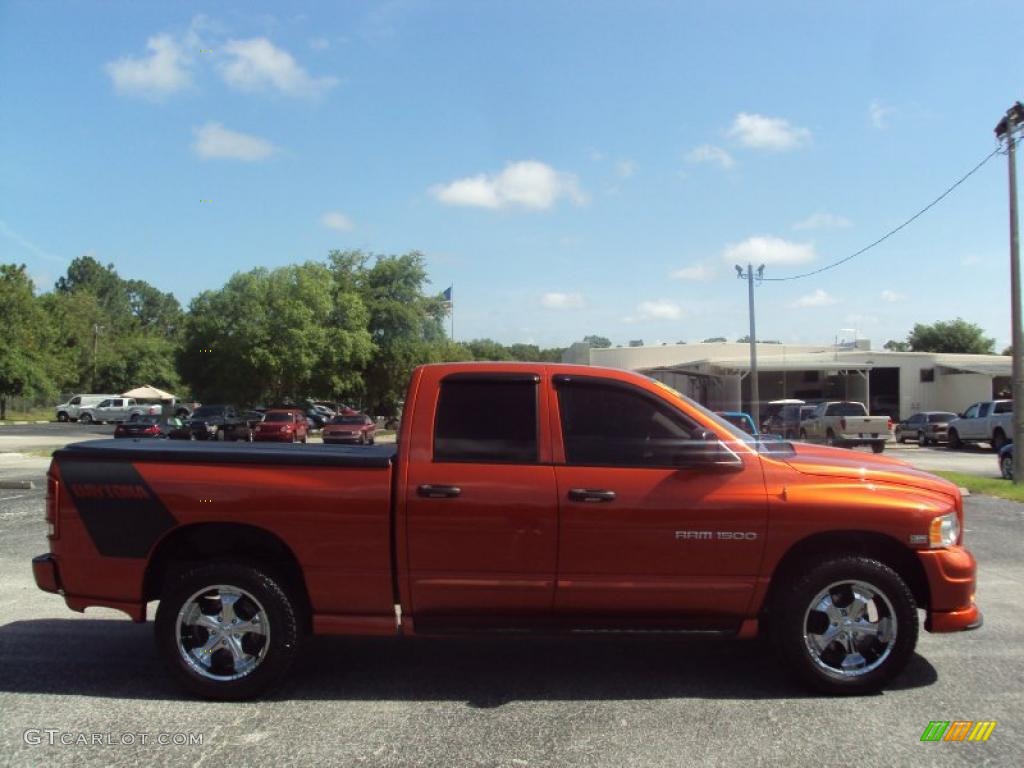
123	516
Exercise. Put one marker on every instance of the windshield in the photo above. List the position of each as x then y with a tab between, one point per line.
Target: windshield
347	420
207	410
279	417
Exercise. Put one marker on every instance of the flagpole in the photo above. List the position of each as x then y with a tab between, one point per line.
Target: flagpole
452	289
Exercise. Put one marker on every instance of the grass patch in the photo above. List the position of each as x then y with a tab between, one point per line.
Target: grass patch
40	453
36	414
989	486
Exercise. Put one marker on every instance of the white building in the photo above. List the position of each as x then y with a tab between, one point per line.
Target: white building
894	383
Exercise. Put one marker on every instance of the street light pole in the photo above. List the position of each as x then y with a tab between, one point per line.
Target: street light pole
1011	122
755	402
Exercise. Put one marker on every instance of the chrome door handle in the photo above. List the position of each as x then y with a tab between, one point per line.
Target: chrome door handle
591	495
439	491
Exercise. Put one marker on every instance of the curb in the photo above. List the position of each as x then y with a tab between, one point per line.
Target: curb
22	423
17	485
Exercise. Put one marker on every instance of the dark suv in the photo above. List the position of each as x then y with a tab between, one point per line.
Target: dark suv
218	422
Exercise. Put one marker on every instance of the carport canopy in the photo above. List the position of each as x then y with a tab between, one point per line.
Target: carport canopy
148	393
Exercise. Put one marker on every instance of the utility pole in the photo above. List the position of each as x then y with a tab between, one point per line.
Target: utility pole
96	328
1005	129
755	402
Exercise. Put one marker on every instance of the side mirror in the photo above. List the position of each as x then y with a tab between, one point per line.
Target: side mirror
707	452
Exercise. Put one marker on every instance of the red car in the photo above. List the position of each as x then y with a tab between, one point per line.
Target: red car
357	428
282	426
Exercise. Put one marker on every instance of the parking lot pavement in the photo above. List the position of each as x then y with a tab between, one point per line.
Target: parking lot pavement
516	702
972	460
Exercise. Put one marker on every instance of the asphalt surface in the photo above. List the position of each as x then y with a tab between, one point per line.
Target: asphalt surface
496	702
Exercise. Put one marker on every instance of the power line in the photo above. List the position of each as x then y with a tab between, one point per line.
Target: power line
893	231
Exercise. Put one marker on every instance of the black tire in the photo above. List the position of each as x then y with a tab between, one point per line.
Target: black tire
834	583
63	416
85	418
1006	467
372	440
830	439
877	447
261	601
902	439
998	440
954	440
922	441
803	434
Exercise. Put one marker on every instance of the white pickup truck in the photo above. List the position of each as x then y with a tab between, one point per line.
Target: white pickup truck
846	424
990	421
118	409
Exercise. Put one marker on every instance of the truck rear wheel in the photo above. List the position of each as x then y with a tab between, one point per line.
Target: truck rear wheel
877	447
954	439
227	630
847	626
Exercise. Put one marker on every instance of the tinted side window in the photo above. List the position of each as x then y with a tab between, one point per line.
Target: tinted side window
1006	407
486	420
614	426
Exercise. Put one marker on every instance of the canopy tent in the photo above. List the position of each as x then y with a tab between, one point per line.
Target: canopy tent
148	393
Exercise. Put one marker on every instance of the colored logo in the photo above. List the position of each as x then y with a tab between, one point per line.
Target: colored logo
958	730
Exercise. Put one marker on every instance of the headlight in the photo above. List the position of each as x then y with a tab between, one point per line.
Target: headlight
944	531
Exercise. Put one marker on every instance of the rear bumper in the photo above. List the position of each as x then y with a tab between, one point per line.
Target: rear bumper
44	569
952	579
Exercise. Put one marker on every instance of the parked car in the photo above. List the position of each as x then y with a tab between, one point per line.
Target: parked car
770	418
282	426
358	428
786	421
926	427
170	427
218	422
846	424
118	409
990	421
71	410
1006	461
740	419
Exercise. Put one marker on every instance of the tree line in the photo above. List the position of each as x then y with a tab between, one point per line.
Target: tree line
349	329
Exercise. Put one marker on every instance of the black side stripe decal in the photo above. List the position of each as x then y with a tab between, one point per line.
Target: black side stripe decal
123	515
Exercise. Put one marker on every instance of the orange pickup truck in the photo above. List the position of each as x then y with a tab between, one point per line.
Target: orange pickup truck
527	498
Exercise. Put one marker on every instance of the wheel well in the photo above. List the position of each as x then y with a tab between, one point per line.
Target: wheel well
998	432
878	546
226	541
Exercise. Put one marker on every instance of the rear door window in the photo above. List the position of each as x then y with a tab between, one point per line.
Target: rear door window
487	420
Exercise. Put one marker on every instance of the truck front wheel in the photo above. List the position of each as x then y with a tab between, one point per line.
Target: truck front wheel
227	631
877	447
847	626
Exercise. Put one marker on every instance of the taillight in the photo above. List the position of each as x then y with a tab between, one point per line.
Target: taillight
154	430
889	427
52	505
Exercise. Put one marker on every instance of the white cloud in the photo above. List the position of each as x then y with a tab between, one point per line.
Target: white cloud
823	220
772	133
766	249
819	298
556	300
661	309
257	64
213	140
709	153
337	220
164	71
694	272
891	296
527	184
880	113
625	168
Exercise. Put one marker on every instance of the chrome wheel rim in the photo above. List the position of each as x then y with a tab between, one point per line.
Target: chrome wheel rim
222	632
849	628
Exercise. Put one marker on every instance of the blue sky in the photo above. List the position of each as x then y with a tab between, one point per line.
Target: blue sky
572	168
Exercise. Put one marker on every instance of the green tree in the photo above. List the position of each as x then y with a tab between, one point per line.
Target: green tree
598	342
405	323
275	336
897	346
24	362
1008	350
714	340
488	349
957	336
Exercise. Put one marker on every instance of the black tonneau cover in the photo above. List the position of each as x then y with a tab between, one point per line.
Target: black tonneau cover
150	449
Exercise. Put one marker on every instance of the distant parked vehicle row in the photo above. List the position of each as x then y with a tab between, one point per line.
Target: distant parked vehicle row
282	426
989	421
118	409
846	424
357	428
926	428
